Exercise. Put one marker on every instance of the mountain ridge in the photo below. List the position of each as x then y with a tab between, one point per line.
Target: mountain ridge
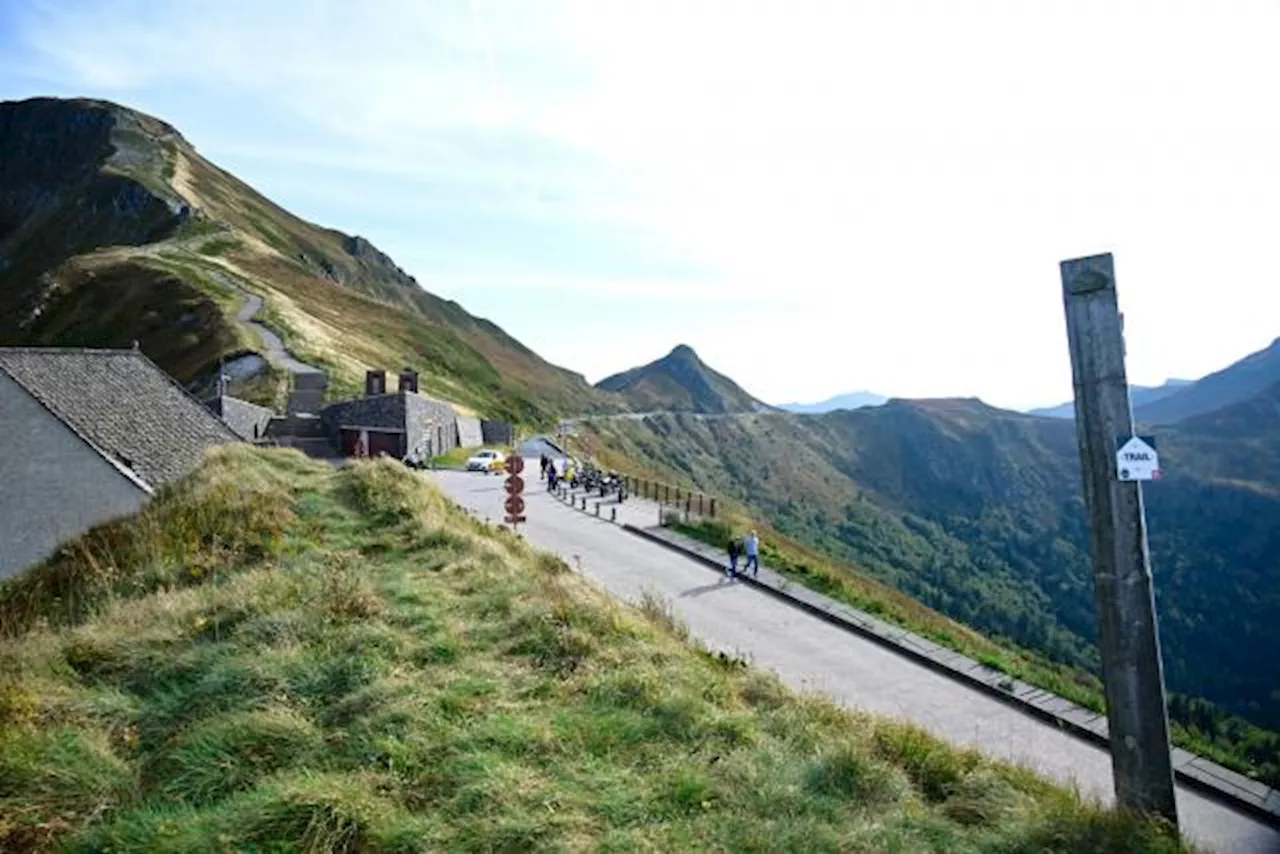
681	382
848	400
1235	383
113	228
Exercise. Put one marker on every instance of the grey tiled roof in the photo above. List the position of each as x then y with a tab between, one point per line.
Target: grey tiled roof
123	403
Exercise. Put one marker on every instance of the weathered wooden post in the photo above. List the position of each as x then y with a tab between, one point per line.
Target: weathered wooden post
1129	639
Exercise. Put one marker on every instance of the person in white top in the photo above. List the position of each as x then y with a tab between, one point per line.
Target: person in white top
752	548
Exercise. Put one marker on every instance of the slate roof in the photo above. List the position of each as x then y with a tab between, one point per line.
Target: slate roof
123	404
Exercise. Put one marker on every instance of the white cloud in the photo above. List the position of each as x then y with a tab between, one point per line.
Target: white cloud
880	191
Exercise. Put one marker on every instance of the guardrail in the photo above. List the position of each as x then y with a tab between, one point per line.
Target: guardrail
692	503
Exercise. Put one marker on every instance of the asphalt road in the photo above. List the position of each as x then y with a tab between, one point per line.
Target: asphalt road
810	654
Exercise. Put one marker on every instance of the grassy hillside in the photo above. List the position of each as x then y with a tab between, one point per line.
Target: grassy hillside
279	656
976	512
103	207
680	382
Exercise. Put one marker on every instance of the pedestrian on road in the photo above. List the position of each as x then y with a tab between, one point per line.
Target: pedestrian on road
543	462
734	550
552	477
753	555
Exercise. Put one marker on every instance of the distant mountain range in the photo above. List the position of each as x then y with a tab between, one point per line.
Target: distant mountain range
1140	395
1236	383
852	400
978	512
1178	400
680	382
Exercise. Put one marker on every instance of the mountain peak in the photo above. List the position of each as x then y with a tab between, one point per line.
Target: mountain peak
683	351
681	382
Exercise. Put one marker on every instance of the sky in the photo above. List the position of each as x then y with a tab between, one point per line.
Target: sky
819	197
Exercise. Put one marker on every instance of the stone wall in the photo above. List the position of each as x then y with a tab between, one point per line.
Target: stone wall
430	424
497	432
469	433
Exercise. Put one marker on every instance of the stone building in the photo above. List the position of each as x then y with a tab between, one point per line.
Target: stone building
397	424
89	436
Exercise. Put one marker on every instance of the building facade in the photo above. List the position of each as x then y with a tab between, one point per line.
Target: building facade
90	435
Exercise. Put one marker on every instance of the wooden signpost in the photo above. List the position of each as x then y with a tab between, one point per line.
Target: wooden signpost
514	486
1129	638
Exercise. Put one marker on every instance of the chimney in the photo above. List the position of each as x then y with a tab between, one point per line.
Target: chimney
375	383
409	380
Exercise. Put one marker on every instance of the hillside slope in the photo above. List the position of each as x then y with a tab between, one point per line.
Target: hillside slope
1233	384
680	382
977	512
114	228
361	667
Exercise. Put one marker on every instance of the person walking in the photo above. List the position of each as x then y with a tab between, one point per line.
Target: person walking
542	463
753	555
735	549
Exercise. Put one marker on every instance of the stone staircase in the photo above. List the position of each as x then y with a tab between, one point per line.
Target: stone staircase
300	427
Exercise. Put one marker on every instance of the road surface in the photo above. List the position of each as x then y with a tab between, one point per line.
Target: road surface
810	654
276	353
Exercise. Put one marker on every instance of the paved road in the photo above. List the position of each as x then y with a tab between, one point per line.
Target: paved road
808	653
276	353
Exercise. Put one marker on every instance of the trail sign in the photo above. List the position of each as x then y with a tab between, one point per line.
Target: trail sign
1136	458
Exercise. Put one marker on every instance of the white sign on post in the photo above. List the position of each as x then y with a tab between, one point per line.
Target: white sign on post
1137	459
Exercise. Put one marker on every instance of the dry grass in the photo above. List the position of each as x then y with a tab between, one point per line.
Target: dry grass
399	677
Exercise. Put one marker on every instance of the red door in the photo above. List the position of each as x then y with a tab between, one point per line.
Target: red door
350	439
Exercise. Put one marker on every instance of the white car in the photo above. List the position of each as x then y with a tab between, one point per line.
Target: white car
486	461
